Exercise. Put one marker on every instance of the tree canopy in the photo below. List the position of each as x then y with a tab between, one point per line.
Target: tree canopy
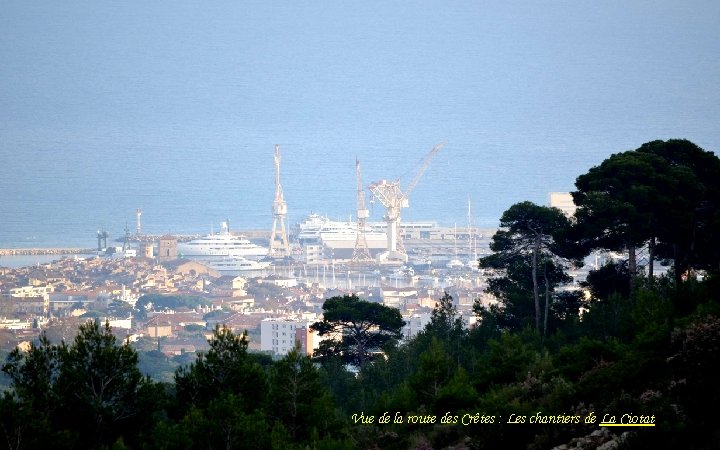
526	245
649	352
225	368
359	330
665	194
94	377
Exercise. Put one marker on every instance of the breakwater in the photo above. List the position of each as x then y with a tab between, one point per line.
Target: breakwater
46	251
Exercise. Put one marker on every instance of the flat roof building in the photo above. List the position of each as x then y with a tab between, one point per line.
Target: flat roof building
281	334
562	201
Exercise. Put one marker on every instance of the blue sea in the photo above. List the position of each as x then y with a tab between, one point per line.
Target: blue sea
175	106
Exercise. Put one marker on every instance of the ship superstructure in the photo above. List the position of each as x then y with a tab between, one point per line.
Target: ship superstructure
223	244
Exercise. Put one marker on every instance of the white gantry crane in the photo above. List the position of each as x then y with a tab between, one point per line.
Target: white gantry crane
361	253
394	199
279	246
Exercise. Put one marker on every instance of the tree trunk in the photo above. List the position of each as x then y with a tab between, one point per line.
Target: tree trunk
679	270
651	259
632	267
536	294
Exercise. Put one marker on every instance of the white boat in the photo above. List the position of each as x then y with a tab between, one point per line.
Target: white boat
308	231
223	244
345	235
235	265
316	229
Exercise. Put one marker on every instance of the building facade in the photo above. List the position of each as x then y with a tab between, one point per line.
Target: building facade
281	335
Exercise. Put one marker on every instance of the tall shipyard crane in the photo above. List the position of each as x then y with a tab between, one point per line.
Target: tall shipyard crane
279	246
394	199
361	253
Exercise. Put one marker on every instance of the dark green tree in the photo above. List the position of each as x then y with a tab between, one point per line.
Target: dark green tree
436	369
665	194
297	397
227	422
29	408
33	374
689	223
100	382
361	330
528	236
445	322
619	204
447	326
225	368
94	377
611	278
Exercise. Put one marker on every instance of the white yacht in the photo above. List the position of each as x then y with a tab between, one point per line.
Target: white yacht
235	265
223	244
316	229
308	231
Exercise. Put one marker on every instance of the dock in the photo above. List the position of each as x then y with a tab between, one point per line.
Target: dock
46	251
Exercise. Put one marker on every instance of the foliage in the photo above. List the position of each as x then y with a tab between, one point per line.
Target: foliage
694	373
665	193
446	326
446	323
160	302
623	360
225	368
359	330
526	249
156	365
298	399
611	278
651	350
94	377
514	290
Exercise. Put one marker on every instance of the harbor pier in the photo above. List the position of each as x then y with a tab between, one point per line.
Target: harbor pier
46	251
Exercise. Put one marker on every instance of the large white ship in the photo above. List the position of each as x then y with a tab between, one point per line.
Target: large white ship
316	229
223	244
235	265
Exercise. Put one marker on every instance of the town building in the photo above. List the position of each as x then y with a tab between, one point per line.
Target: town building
562	201
414	324
281	334
167	248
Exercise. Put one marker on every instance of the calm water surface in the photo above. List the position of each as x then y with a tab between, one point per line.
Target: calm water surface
175	107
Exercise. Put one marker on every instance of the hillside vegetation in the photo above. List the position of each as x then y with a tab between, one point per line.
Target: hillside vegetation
542	368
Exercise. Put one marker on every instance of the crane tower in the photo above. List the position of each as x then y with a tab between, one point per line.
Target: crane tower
279	246
102	236
394	199
361	253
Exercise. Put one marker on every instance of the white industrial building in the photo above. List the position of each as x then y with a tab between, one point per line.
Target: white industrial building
281	334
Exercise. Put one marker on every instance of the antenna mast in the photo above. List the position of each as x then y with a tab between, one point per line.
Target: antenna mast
138	227
279	246
361	253
472	238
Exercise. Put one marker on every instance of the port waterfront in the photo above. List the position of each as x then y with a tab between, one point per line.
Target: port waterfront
45	251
